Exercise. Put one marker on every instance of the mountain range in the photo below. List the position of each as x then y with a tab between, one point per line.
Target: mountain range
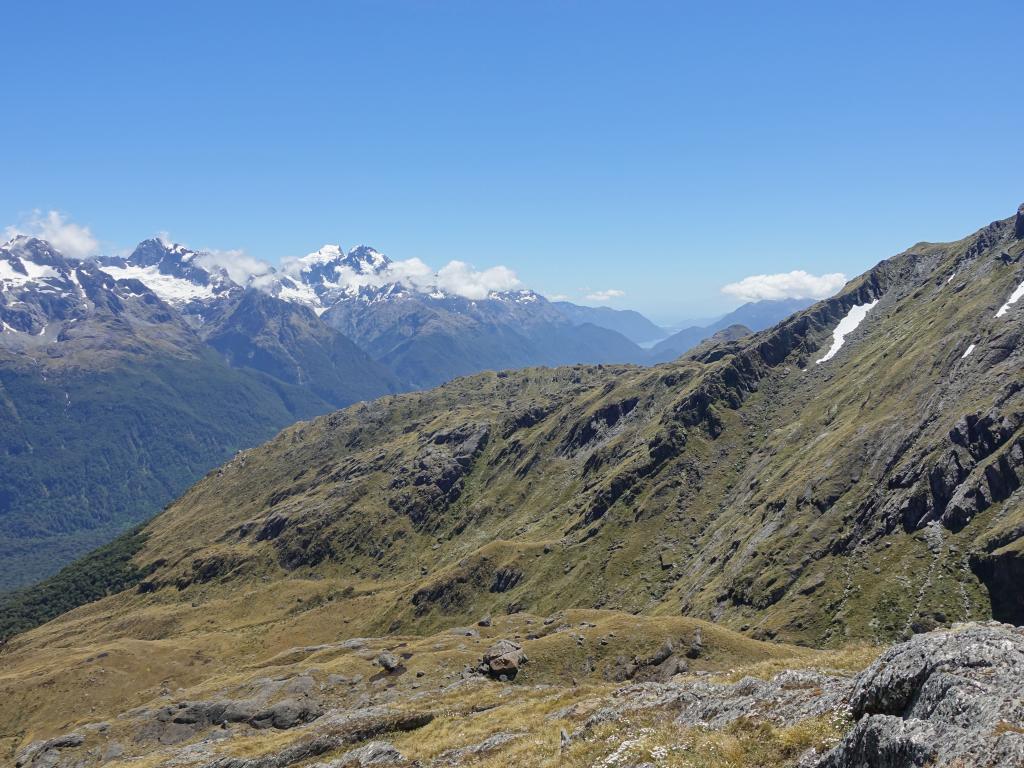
101	359
474	574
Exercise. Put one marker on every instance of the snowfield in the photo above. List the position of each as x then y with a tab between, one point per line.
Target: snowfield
173	290
1011	301
847	326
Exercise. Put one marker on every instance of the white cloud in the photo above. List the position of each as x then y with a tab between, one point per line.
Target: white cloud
460	278
797	284
557	297
608	295
68	238
239	265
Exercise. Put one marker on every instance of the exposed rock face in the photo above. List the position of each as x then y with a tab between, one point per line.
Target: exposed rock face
1002	571
436	478
952	698
335	732
1018	224
947	698
44	754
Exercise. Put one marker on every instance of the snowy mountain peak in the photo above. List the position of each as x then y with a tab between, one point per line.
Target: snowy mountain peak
43	293
155	251
186	279
364	259
30	263
331	261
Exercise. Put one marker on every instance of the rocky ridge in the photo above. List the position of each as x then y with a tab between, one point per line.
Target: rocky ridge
947	698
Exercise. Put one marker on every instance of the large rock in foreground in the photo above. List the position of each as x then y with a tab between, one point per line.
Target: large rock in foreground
951	698
503	660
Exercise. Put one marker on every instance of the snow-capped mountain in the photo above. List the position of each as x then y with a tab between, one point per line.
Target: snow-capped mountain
185	279
331	275
426	327
45	297
123	380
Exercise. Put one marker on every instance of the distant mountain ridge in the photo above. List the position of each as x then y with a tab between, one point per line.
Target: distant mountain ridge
756	315
631	324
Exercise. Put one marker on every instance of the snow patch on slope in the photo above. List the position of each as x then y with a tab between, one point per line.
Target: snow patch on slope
171	289
847	326
969	350
12	278
1014	297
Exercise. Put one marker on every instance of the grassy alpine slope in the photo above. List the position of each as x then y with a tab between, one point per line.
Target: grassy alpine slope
838	505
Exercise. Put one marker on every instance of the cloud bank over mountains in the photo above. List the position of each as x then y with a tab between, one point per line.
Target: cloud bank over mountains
797	284
457	277
606	295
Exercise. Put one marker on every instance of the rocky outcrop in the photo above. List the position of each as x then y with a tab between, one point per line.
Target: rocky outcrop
46	754
596	426
981	462
462	755
1018	223
951	698
335	732
374	753
788	697
453	590
179	722
660	666
943	699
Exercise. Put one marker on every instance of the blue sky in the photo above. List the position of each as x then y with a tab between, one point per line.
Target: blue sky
660	149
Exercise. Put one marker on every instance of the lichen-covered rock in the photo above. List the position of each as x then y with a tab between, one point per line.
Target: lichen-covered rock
950	698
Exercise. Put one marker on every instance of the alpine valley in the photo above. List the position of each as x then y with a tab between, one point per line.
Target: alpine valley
124	379
799	546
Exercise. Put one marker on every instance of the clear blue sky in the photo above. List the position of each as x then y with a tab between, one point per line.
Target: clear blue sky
658	148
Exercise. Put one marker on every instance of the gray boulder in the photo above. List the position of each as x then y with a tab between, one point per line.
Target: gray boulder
948	698
503	659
